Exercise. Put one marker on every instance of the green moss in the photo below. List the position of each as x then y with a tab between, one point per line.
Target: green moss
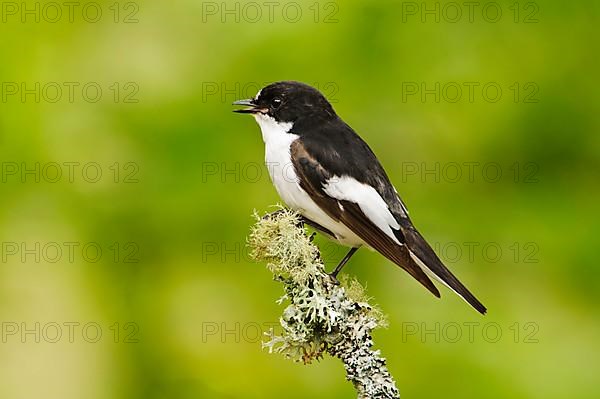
320	316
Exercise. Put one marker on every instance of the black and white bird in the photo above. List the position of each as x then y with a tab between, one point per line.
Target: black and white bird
325	171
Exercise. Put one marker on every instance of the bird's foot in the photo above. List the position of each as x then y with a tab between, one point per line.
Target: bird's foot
273	214
333	278
301	222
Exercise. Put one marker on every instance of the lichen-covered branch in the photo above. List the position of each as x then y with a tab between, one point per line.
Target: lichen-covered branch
321	316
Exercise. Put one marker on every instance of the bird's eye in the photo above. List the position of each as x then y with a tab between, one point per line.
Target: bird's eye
276	102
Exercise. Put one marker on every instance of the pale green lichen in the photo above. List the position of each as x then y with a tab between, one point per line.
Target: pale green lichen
321	316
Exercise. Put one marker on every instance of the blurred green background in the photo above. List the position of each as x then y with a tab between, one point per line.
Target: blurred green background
178	302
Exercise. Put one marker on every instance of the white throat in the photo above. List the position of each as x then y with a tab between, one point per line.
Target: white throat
277	148
283	174
273	130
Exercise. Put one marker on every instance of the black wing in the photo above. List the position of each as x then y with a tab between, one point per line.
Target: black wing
334	149
313	176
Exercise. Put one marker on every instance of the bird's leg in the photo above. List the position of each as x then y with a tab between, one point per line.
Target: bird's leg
343	262
306	221
316	226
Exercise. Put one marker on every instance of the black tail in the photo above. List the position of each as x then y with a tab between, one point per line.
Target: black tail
423	252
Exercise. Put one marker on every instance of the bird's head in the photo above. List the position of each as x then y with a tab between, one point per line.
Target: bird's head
287	102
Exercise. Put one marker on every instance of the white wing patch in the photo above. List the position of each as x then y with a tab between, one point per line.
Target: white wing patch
367	198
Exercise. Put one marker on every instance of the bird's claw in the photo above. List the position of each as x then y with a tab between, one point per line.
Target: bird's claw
272	214
333	279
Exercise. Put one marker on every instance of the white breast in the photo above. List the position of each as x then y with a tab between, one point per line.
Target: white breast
278	160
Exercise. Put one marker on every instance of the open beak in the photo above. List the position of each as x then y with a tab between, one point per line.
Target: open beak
248	103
